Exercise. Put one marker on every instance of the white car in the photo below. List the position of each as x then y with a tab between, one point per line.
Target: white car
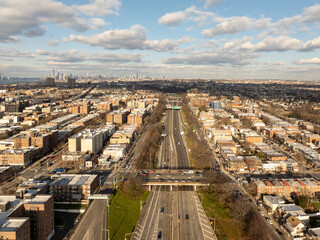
269	221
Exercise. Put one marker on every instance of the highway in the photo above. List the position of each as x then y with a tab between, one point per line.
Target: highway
176	214
173	152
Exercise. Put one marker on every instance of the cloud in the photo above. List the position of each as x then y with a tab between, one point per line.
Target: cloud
165	45
28	16
13	53
172	19
99	8
311	44
230	26
274	64
311	14
75	56
279	44
209	3
314	60
235	43
132	38
211	58
53	43
189	14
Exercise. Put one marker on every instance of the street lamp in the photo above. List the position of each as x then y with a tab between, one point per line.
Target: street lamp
125	236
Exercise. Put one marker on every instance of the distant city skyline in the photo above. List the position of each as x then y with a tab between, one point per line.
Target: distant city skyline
214	39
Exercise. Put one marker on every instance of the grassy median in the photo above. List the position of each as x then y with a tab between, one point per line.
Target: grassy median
226	228
123	214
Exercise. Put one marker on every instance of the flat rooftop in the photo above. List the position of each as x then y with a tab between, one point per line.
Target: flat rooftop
12	224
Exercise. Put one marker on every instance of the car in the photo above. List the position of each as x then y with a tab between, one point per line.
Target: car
187	216
269	221
158	175
261	212
279	232
159	235
162	210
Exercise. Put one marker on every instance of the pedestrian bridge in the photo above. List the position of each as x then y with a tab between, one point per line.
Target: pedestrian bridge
171	184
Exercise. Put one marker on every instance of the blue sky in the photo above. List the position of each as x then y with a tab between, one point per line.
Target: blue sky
248	39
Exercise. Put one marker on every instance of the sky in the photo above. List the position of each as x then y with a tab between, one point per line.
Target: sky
210	39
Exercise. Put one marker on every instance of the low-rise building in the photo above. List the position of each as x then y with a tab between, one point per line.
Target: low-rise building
273	201
74	187
19	157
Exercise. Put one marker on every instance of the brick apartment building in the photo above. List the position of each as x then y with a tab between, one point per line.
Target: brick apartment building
74	187
284	187
119	117
19	157
31	218
105	106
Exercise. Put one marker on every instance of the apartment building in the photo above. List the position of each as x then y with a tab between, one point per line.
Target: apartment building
105	106
19	157
284	187
45	140
136	117
118	117
15	229
124	136
74	187
29	218
64	119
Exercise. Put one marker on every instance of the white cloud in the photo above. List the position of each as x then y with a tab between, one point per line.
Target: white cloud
282	43
209	3
189	14
314	60
28	16
212	58
98	22
65	39
311	14
53	43
235	43
230	26
275	64
75	56
311	44
172	19
165	45
100	8
13	53
132	38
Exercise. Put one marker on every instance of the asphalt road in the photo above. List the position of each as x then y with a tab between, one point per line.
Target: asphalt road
173	214
93	228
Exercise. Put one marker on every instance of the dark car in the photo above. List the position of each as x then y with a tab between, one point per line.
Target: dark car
162	210
159	235
187	216
279	232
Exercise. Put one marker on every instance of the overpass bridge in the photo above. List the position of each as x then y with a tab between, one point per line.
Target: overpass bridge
172	184
173	102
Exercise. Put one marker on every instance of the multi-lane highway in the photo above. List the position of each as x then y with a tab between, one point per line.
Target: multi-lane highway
176	214
173	152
